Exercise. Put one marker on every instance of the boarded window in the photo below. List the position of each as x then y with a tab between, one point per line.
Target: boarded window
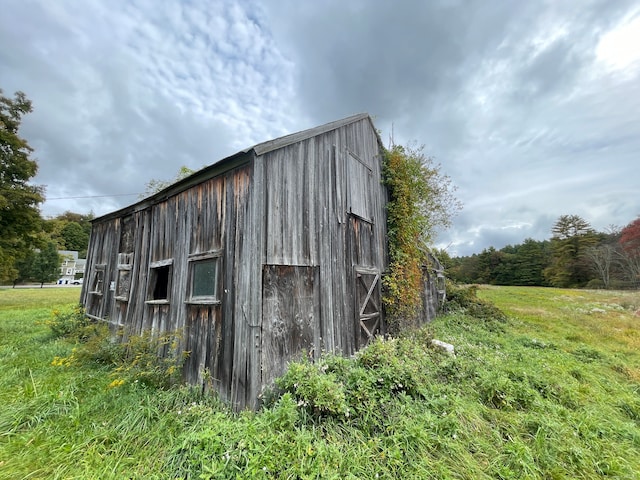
160	281
205	277
124	285
359	183
127	234
123	281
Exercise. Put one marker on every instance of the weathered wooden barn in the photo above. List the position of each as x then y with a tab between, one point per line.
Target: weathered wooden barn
268	253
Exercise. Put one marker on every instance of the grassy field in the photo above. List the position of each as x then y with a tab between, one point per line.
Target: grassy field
553	392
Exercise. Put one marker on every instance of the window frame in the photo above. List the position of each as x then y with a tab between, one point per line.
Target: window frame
97	283
154	267
360	183
125	264
193	260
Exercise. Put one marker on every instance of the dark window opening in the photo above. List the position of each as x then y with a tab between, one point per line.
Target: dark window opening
160	285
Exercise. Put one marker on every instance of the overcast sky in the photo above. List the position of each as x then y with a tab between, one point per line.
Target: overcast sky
531	107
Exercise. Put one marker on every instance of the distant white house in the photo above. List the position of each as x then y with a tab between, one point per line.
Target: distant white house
71	268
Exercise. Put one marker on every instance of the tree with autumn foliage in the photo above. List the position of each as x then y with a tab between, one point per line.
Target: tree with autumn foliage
421	200
630	251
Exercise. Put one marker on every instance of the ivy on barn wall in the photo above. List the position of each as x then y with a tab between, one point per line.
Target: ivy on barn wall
420	200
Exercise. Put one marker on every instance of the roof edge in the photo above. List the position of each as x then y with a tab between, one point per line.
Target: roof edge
233	161
276	143
218	168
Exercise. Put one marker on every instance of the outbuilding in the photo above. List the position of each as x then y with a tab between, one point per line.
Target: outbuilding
271	253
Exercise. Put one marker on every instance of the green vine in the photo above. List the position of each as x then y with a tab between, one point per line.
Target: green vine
420	200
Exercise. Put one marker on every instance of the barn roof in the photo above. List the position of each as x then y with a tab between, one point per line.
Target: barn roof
237	159
277	143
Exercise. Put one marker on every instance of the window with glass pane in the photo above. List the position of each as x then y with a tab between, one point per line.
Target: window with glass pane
205	278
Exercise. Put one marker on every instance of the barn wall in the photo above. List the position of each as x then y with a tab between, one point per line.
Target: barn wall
324	213
96	295
298	234
210	220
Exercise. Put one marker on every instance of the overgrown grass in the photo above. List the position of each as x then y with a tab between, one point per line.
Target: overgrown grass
551	392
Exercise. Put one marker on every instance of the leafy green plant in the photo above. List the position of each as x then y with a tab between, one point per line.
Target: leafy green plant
317	390
153	359
68	322
465	299
420	200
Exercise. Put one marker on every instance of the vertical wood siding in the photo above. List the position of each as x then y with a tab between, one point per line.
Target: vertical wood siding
291	320
290	227
324	205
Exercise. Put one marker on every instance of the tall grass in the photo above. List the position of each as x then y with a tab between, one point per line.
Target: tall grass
552	392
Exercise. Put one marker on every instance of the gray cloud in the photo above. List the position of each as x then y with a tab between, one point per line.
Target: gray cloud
512	98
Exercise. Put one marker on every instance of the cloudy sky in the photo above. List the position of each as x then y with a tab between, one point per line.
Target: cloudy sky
532	108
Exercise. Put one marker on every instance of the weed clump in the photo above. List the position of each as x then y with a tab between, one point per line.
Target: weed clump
465	299
151	358
69	322
361	390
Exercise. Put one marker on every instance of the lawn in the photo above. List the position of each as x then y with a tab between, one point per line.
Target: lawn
552	392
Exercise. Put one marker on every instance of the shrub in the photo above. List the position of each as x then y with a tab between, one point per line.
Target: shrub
153	359
317	390
99	345
361	389
595	284
68	323
465	299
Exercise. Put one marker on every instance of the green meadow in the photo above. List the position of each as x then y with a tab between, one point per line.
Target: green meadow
549	390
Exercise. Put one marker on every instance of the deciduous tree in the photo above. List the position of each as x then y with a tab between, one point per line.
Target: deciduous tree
19	199
630	238
70	231
154	185
46	264
75	238
602	259
630	254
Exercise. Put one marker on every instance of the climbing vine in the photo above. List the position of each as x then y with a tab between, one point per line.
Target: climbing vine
420	201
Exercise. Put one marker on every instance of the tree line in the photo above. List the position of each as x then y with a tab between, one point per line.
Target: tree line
576	256
29	243
421	199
